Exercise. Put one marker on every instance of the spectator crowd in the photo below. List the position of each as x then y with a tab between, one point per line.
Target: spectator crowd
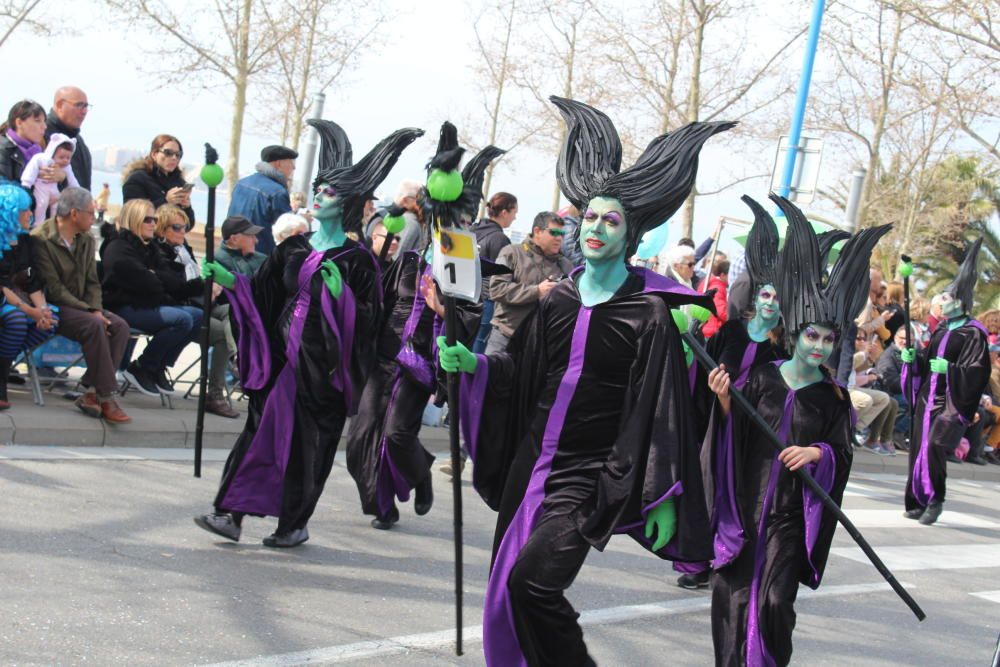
106	285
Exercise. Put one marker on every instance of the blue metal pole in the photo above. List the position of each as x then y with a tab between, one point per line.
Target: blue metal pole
803	96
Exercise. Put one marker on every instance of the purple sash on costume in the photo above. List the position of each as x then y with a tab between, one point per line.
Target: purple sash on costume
812	510
727	528
258	484
420	369
500	642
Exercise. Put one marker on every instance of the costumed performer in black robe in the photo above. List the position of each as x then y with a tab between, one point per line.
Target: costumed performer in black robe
384	453
582	427
949	378
740	345
778	534
305	326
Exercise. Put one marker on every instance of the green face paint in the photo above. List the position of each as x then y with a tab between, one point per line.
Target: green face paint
766	304
950	306
603	230
326	204
814	346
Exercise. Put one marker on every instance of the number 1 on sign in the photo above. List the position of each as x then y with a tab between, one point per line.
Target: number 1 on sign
455	264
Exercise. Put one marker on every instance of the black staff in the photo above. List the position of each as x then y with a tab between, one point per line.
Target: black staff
450	327
211	175
807	479
906	270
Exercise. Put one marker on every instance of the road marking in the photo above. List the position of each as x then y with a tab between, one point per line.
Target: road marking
938	557
429	640
872	518
859	490
992	596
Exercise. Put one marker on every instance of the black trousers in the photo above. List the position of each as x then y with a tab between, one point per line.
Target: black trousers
546	623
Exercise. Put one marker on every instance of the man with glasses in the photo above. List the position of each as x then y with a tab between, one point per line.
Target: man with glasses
538	265
66	260
69	110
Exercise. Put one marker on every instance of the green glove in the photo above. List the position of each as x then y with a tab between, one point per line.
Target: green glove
331	276
680	320
908	355
664	518
700	313
218	273
939	365
455	358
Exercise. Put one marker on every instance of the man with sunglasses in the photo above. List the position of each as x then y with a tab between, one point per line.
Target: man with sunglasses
538	266
69	110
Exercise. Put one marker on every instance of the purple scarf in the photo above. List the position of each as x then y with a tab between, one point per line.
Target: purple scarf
28	149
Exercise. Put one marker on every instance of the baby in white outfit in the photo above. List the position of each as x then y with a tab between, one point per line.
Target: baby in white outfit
58	152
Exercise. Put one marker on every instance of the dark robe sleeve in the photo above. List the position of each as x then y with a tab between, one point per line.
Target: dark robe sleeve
497	404
361	276
969	375
655	456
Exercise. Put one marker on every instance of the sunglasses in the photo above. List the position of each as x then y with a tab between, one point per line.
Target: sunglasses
690	265
149	220
178	228
172	153
556	232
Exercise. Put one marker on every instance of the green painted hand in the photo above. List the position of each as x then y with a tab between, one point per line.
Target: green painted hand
663	518
700	313
331	276
908	355
939	365
455	358
218	273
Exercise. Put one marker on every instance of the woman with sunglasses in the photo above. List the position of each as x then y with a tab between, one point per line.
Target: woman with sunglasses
171	239
158	177
142	288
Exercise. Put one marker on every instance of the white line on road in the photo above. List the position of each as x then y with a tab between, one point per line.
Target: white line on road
893	518
937	557
429	640
992	596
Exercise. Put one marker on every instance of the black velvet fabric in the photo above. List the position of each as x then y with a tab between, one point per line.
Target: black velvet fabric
319	408
819	414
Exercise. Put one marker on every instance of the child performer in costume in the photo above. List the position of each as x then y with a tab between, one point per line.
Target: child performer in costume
740	345
384	454
777	534
582	427
951	374
306	326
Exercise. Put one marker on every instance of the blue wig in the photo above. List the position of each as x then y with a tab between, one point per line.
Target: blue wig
13	200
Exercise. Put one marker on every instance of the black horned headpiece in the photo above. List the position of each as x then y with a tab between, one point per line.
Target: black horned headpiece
762	245
451	197
803	296
964	284
651	190
355	183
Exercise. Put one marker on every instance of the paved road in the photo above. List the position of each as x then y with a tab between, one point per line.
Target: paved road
102	565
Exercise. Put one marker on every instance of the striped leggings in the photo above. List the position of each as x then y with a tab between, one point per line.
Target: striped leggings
18	332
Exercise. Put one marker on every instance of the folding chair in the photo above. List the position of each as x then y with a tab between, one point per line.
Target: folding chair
133	338
73	356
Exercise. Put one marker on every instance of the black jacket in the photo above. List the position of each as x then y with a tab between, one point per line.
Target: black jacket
137	274
81	162
153	185
11	161
184	294
18	269
491	239
889	367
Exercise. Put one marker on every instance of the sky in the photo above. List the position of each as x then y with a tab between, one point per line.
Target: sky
400	83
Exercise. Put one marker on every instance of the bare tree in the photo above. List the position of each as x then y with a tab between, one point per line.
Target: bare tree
14	14
230	41
682	59
323	40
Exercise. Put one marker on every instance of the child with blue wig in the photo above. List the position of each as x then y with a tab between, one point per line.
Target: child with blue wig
26	320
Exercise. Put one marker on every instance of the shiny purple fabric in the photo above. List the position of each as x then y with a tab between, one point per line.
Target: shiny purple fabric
923	488
500	643
253	350
420	369
823	471
258	485
470	408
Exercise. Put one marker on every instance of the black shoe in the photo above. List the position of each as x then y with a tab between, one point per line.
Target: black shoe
292	539
976	460
693	582
914	513
141	379
385	522
931	514
993	457
220	524
163	383
953	459
424	496
13	377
